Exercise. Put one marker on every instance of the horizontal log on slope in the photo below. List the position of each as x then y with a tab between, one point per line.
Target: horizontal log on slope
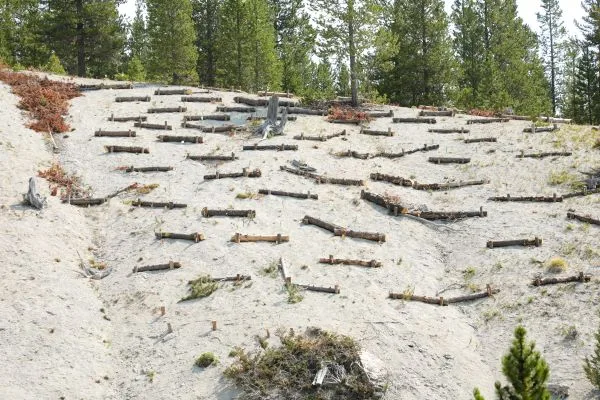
244	174
85	202
194	237
101	133
308	220
481	140
539	129
148	169
581	277
100	86
278	147
228	213
306	111
449	160
448	215
132	98
210	117
195	99
163	127
582	218
278	94
394	208
343	261
323	179
403	153
171	92
486	120
320	138
581	193
431	113
255	118
126	149
166	110
322	289
139	118
353	154
448	185
179	139
441	300
535	199
236	278
236	109
518	117
372	236
289	194
542	155
537	242
396	180
212	129
448	130
475	296
263	102
380	114
232	157
156	204
553	120
239	238
414	120
346	121
370	132
159	267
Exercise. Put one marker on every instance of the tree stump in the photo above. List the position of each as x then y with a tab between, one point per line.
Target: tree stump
32	197
270	127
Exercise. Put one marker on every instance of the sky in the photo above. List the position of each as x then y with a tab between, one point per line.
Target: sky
527	9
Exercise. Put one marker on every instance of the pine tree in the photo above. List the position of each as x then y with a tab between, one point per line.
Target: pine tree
233	51
590	27
347	27
423	62
264	64
572	53
206	16
587	86
591	365
171	36
87	35
552	40
138	39
343	81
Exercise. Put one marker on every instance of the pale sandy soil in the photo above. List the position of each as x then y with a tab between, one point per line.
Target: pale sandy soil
430	351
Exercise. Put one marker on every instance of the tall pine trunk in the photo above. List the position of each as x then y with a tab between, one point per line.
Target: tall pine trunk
80	39
352	53
552	66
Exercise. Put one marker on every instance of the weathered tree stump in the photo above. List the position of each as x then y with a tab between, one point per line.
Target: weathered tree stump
33	197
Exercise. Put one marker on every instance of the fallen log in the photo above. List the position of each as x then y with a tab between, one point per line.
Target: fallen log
379	114
332	290
217	89
403	153
449	130
433	113
377	133
278	147
201	99
536	199
172	92
278	94
288	194
194	237
361	263
232	157
133	98
179	139
537	242
448	215
101	133
581	277
156	204
346	121
353	154
414	120
518	117
85	202
211	117
553	120
448	185
475	296
279	118
372	236
480	140
338	134
163	127
126	149
396	180
112	118
167	110
449	160
236	109
115	86
486	120
444	302
228	213
306	111
538	129
582	218
159	267
542	155
244	174
263	102
148	169
323	179
239	238
237	278
308	220
212	129
581	193
382	201
320	138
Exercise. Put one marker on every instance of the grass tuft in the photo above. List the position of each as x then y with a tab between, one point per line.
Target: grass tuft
294	295
557	265
206	360
200	287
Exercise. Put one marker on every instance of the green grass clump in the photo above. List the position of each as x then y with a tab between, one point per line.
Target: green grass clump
287	372
270	270
294	295
245	195
206	360
561	177
202	286
557	265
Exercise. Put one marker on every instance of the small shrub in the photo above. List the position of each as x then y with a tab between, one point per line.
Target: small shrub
557	265
270	270
245	195
121	77
206	360
561	177
200	287
469	273
54	65
294	295
145	189
59	179
591	364
135	70
347	114
569	332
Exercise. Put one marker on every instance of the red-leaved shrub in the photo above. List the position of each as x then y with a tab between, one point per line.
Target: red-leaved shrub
347	114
